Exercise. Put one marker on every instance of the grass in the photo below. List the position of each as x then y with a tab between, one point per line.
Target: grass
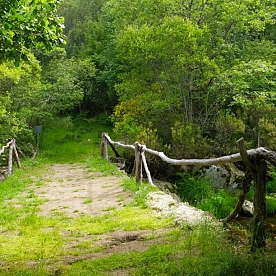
60	245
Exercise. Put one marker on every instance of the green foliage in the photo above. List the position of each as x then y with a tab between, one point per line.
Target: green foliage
63	89
271	184
87	40
220	203
19	90
228	129
198	192
187	141
169	62
250	265
186	63
193	190
270	205
26	25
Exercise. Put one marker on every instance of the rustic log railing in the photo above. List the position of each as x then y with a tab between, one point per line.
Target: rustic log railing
11	145
256	169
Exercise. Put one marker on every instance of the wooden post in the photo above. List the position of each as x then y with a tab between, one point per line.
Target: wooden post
246	181
259	227
258	169
146	168
16	155
10	159
117	154
138	163
104	147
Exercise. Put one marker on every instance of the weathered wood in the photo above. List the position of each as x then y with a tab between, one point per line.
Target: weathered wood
104	149
117	154
118	143
10	160
146	168
258	169
16	155
269	156
245	189
259	227
138	163
5	147
246	181
261	152
244	154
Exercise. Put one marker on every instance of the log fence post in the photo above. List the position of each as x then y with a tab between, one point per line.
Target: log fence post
16	154
259	216
104	147
138	163
10	159
146	167
256	169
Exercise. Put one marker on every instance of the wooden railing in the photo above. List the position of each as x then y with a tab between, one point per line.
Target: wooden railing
11	146
255	161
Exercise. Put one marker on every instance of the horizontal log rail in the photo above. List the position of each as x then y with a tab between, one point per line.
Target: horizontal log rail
256	169
261	152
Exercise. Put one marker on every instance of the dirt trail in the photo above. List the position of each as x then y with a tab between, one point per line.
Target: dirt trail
75	190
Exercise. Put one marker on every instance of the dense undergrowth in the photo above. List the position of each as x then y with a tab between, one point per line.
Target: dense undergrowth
220	202
36	245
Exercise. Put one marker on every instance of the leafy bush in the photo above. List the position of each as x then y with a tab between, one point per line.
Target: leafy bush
270	205
220	203
193	190
198	192
188	141
271	185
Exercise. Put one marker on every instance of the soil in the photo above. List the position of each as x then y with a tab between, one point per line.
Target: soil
73	190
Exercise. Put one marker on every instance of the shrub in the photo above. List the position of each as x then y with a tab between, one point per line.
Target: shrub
198	192
271	185
270	205
220	203
188	141
193	190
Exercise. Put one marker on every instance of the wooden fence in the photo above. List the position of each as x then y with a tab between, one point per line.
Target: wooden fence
11	147
255	161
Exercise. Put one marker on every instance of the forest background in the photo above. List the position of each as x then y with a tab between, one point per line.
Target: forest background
185	77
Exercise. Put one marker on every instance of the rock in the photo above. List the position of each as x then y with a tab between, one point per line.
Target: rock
224	176
247	208
120	162
168	188
182	212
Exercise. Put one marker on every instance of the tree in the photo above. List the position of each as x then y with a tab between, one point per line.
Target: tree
19	98
62	88
87	40
184	62
26	25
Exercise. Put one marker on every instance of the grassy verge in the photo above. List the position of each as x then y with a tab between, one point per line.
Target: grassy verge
61	245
